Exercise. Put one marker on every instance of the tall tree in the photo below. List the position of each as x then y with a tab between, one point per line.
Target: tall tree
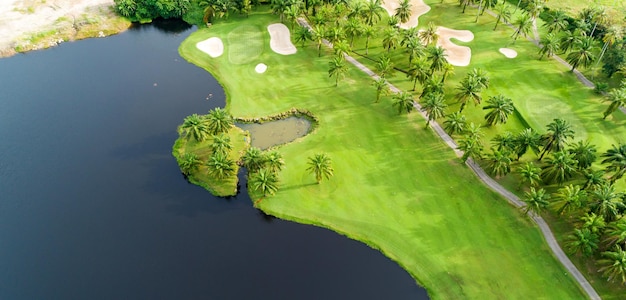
384	66
595	223
593	179
504	141
403	101
499	162
560	167
437	57
523	25
221	144
606	202
369	32
414	48
220	166
353	28
614	265
419	72
616	233
189	163
584	153
616	98
434	106
527	139
569	39
529	173
536	200
382	88
455	123
274	161
500	108
569	198
550	45
195	127
264	181
320	165
337	67
471	147
319	35
302	35
557	21
504	13
219	121
555	139
583	241
429	35
615	159
583	53
253	159
391	39
403	11
373	11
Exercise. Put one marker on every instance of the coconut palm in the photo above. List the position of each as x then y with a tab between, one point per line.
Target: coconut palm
583	241
469	90
615	158
474	131
595	223
335	34
612	35
369	32
419	71
403	102
534	8
302	35
569	198
616	233
559	131
583	53
593	179
550	45
499	162
437	57
614	265
253	159
221	144
523	25
319	35
408	34
264	181
500	108
471	147
373	11
337	67
429	35
527	139
432	85
320	165
464	3
414	48
391	39
504	13
291	13
584	153
617	98
606	202
569	39
403	11
189	163
434	105
353	28
455	123
384	66
219	121
536	200
279	7
382	88
195	127
529	173
557	21
220	166
274	161
560	167
481	76
504	141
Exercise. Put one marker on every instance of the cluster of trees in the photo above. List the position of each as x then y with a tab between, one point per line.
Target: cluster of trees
146	10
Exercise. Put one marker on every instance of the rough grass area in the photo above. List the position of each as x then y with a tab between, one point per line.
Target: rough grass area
396	187
243	53
616	9
227	187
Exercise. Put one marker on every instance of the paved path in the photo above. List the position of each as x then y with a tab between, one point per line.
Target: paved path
492	184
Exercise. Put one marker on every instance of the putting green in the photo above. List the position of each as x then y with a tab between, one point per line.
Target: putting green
539	111
243	53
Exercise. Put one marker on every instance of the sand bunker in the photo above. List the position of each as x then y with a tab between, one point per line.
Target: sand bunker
509	53
260	68
212	46
418	8
280	41
456	55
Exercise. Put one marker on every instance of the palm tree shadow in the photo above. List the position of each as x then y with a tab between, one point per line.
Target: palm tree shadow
298	186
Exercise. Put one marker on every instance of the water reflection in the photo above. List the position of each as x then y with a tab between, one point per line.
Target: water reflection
269	134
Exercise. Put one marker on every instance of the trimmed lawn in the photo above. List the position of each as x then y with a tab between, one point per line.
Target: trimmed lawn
396	187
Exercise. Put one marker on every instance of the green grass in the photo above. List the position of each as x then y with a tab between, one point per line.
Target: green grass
396	187
226	187
615	9
243	53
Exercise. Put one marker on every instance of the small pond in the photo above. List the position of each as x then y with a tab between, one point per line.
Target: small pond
272	133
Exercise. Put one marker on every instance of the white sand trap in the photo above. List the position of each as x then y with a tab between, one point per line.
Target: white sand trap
508	52
418	8
212	46
456	55
280	41
260	68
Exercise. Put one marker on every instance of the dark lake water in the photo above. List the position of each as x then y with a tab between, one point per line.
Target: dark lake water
93	206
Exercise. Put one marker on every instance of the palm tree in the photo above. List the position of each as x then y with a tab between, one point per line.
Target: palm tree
391	39
195	127
504	13
373	11
434	106
570	39
337	67
536	200
319	34
403	101
611	36
455	123
556	137
595	223
504	141
384	66
382	88
403	12
469	89
500	109
583	53
499	162
570	198
279	7
448	69
429	35
419	71
219	121
321	166
335	34
534	8
432	85
606	202
584	153
414	47
369	32
557	22
583	241
616	234
474	131
189	163
616	160
529	173
465	3
481	76
274	161
471	147
221	144
593	179
437	57
253	159
265	181
527	139
302	35
523	25
220	166
291	13
617	98
614	265
353	28
550	44
560	167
